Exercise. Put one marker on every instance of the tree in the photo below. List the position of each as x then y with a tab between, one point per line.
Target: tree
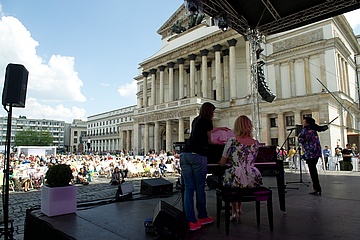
33	138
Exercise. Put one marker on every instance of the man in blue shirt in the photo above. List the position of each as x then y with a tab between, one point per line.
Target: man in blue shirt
326	153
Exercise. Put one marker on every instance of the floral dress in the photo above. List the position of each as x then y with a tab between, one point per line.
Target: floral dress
242	173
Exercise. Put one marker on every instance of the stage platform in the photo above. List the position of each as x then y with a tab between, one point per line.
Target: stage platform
334	215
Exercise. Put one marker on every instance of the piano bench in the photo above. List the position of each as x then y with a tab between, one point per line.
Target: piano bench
229	195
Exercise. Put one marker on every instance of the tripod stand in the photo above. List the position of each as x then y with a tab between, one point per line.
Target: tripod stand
301	179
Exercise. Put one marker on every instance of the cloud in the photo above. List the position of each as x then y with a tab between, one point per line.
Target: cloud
104	84
128	89
55	84
35	109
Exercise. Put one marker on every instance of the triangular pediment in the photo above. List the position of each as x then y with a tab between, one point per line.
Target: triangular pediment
181	18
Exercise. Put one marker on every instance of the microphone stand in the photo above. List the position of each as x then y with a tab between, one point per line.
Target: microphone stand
301	179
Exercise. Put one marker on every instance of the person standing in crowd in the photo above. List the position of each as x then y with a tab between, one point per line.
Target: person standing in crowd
240	151
327	154
309	140
115	177
193	163
347	154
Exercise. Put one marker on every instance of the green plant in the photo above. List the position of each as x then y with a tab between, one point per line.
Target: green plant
59	175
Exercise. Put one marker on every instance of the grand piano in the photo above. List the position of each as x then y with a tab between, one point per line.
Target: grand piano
214	155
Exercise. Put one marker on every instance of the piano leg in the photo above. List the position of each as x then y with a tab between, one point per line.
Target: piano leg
280	180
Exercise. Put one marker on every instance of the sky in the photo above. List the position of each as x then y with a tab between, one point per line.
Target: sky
82	55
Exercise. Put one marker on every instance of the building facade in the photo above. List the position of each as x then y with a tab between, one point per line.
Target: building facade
312	70
54	127
111	131
78	136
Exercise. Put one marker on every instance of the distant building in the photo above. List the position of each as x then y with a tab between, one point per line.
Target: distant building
54	127
111	131
78	136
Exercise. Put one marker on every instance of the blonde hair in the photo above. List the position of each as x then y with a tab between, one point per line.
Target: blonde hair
243	127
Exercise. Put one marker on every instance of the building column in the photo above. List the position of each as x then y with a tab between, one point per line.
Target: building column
153	87
192	74
278	81
145	100
171	80
121	146
292	79
232	68
307	75
297	117
157	137
181	130
227	86
161	68
281	129
198	81
219	95
137	133
181	77
204	75
265	134
187	82
146	138
168	136
128	140
209	79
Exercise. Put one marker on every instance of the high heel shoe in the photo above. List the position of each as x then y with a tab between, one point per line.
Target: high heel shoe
234	217
317	192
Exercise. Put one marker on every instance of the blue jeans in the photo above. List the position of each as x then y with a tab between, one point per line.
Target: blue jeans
193	170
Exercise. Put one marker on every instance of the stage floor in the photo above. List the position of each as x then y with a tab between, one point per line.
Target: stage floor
334	215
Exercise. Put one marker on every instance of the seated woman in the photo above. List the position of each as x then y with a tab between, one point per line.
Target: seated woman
240	152
115	177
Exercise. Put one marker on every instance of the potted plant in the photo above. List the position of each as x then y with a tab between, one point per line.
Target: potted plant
58	196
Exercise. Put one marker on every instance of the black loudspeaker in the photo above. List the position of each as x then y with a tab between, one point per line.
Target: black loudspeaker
263	88
125	189
169	222
15	85
156	186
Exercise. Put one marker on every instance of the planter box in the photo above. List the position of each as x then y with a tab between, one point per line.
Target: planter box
58	200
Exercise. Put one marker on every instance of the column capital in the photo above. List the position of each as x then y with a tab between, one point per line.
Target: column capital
162	68
204	52
181	60
192	57
225	52
217	47
170	64
232	42
153	71
145	74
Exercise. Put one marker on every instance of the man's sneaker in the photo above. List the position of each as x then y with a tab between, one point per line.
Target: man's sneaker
207	220
194	226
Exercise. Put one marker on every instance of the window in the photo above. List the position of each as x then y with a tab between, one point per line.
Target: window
290	120
307	115
273	122
75	133
274	142
75	140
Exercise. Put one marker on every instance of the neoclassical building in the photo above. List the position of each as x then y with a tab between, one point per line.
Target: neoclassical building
312	70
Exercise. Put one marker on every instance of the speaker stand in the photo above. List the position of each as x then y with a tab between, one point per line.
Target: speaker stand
8	235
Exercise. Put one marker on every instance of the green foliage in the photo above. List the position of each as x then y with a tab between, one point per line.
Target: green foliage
59	175
33	138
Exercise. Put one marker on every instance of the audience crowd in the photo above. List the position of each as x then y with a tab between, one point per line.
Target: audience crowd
28	172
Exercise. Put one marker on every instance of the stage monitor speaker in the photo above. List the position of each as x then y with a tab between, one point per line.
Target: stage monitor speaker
124	189
156	186
169	222
15	85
